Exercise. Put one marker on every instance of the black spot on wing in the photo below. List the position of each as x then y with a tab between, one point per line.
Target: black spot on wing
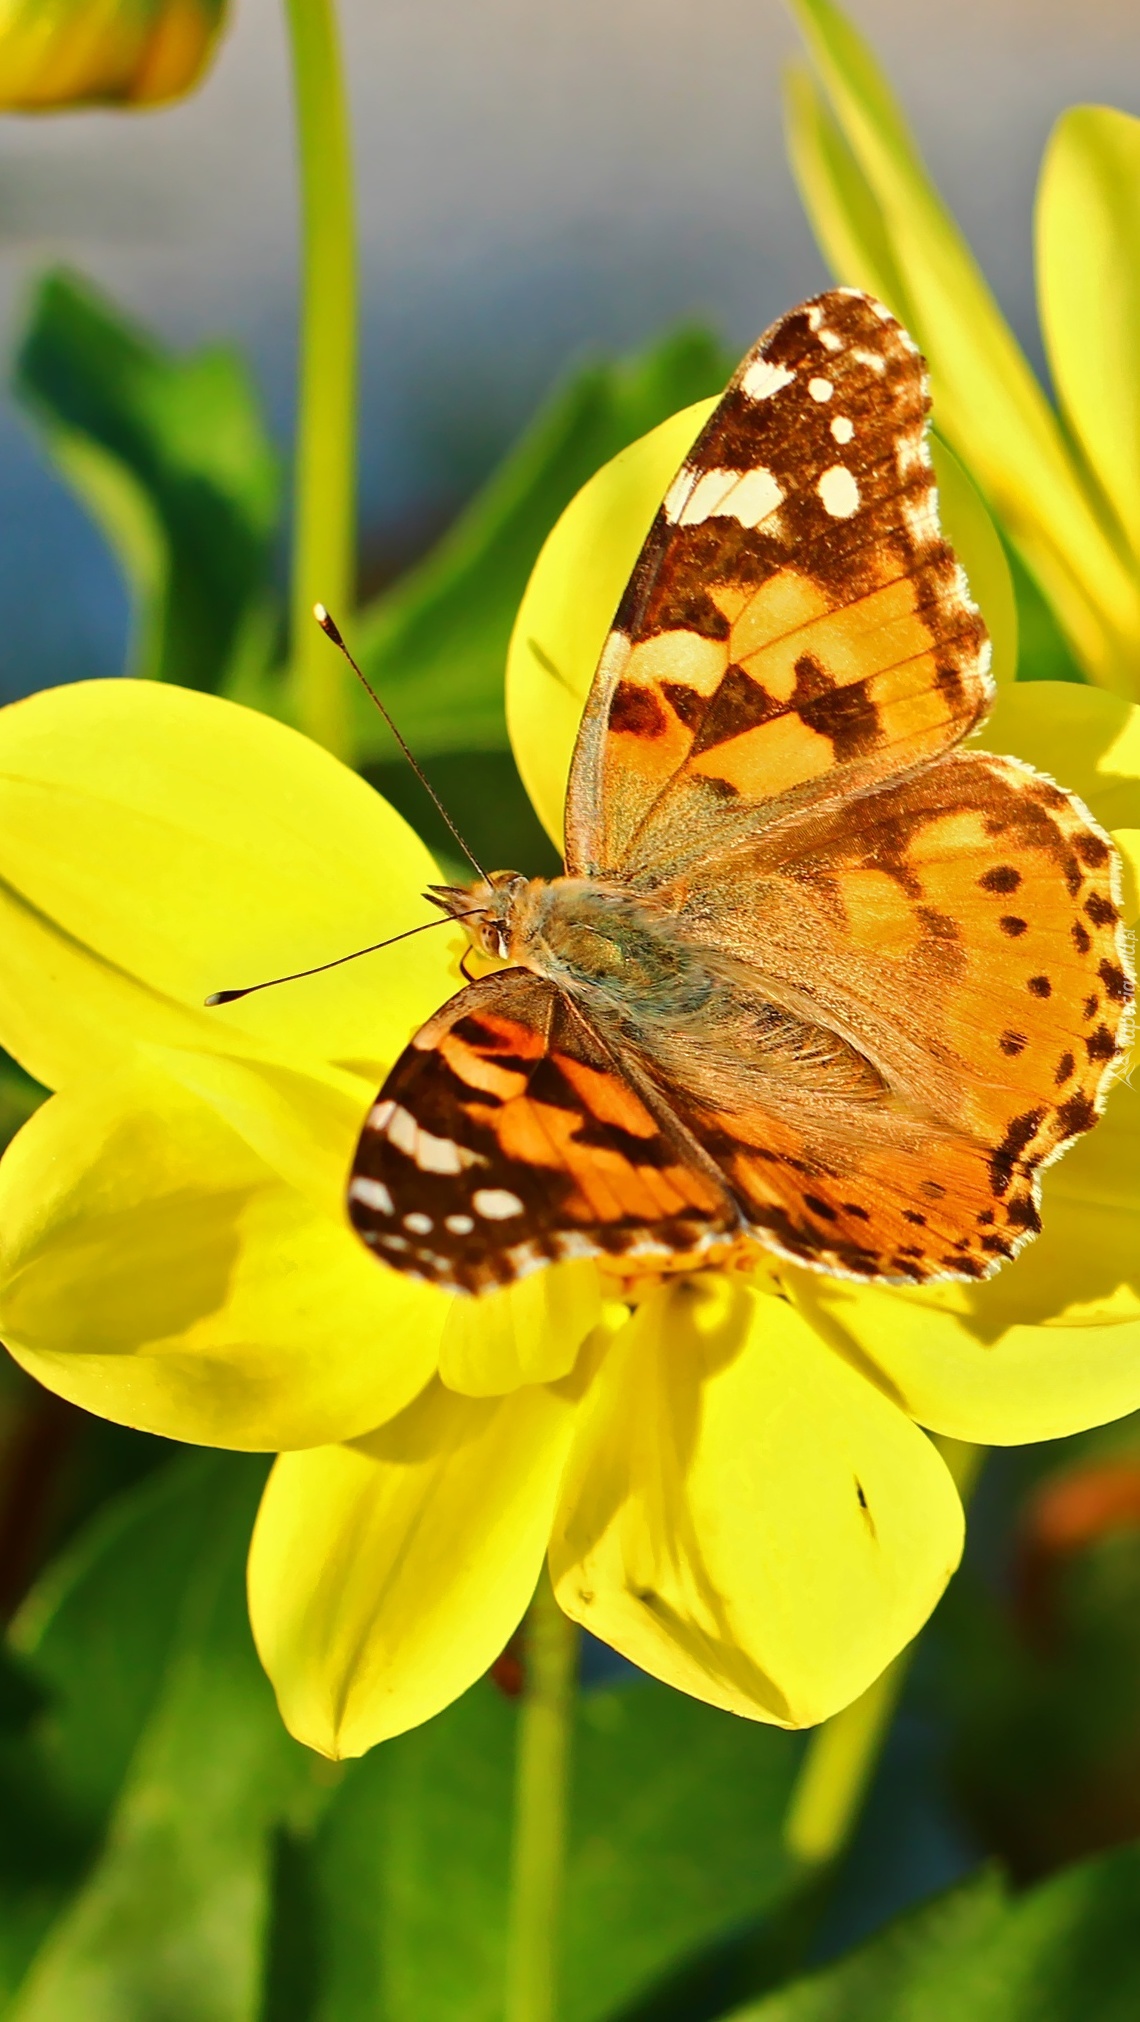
1115	982
688	704
1077	1114
1022	1130
845	715
1101	1044
636	711
739	704
1002	878
1100	910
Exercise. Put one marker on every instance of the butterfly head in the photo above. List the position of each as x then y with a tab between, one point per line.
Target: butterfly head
485	908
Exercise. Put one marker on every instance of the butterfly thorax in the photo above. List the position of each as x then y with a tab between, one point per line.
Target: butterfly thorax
589	937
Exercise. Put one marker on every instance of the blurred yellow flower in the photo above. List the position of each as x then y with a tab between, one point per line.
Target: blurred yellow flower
59	54
728	1475
1065	485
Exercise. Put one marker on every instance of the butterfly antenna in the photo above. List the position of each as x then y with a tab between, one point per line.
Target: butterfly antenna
231	996
332	631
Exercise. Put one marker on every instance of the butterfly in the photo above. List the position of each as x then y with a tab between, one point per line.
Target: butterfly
816	981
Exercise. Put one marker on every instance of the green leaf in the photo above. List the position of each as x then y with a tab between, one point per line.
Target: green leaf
19	1096
890	231
675	1842
1066	1952
435	645
171	458
141	1636
1088	270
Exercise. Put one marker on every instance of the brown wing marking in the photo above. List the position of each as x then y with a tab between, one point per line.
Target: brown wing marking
504	1138
796	627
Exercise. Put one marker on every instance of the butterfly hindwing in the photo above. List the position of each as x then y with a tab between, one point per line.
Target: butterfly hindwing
796	627
961	929
504	1138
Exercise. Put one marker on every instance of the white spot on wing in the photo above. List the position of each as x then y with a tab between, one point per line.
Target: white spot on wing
678	492
458	1225
839	492
496	1204
911	455
820	389
371	1193
378	1115
830	340
745	495
921	516
762	379
418	1225
842	428
871	358
430	1153
403	1130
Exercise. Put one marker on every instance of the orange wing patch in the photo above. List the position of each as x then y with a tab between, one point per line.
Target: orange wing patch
796	626
504	1138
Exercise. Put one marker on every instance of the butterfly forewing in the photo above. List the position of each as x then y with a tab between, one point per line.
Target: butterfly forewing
504	1138
796	627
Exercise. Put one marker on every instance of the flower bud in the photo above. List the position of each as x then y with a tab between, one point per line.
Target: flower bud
56	54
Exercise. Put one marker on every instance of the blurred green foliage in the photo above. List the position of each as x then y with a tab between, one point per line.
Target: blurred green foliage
171	458
436	643
167	1851
1067	1952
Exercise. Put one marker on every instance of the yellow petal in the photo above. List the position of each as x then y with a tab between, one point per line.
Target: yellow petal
1049	1346
386	1576
744	1515
588	557
976	542
528	1333
1085	739
569	603
158	1271
1127	841
846	215
1088	275
986	399
157	844
65	53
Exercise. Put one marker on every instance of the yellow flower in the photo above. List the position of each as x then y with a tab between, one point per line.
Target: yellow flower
56	54
1066	486
731	1479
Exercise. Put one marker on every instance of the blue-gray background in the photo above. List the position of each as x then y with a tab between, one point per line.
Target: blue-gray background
536	179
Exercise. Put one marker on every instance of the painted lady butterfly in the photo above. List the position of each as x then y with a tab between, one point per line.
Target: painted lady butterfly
815	981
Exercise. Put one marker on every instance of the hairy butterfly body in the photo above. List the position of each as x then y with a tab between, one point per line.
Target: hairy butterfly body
816	981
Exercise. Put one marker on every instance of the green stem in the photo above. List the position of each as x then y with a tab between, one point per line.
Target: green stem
541	1780
324	510
843	1754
